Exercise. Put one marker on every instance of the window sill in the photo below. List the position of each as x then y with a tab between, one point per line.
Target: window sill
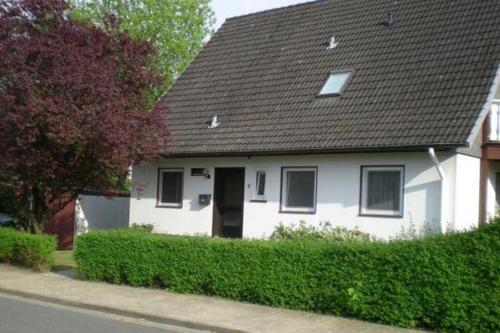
167	206
399	216
308	212
259	200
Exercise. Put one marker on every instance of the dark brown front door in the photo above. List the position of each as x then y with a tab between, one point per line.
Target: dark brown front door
229	190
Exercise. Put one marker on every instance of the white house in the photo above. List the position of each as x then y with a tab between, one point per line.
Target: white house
331	111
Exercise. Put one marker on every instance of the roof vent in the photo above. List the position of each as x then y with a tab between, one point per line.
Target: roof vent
215	123
389	21
333	44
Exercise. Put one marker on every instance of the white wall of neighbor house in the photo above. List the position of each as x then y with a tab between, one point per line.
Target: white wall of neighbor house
101	213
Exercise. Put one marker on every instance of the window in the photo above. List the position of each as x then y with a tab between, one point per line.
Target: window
335	84
382	190
298	190
260	186
170	187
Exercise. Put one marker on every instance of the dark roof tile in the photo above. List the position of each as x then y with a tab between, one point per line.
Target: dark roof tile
420	83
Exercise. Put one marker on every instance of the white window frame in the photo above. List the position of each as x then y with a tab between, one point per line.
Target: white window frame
159	202
284	198
256	195
364	191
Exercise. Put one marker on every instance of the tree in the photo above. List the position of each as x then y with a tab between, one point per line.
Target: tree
73	115
7	200
175	28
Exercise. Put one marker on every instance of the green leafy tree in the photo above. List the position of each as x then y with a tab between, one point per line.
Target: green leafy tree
175	28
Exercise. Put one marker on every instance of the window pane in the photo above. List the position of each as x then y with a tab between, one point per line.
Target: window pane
171	187
383	190
335	83
300	188
261	183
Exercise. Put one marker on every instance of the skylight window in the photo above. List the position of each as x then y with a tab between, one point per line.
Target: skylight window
335	84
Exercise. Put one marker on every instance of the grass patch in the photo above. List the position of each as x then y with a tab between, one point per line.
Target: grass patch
63	260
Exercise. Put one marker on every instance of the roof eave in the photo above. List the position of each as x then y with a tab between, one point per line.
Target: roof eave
416	148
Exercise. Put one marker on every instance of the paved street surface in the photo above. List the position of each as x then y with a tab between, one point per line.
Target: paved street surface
19	315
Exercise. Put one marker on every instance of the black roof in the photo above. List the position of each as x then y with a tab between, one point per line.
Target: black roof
421	83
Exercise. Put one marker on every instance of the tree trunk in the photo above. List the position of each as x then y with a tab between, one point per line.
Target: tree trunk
37	212
35	227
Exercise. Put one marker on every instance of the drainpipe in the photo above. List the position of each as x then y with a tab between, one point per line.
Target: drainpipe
439	168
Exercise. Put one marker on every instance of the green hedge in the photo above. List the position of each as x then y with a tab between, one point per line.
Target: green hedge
449	283
34	251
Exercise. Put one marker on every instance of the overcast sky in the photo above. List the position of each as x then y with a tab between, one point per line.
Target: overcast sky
228	8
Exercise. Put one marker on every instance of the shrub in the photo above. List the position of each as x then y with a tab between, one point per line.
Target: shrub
33	251
448	283
142	227
325	231
428	228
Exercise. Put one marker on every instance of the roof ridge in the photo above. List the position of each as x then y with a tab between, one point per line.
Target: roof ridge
284	8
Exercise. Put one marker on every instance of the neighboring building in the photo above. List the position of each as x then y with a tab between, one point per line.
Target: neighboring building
102	211
62	223
91	211
333	111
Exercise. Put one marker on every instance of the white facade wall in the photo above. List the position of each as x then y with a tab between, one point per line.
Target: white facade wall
337	193
466	200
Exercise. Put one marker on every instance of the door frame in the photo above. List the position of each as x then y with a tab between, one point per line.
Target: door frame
497	189
216	220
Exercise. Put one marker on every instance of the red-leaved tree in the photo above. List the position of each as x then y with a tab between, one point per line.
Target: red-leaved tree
73	115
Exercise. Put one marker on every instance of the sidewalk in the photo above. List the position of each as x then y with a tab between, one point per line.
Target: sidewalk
199	312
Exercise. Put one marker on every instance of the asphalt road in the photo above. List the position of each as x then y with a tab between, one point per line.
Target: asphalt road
20	315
